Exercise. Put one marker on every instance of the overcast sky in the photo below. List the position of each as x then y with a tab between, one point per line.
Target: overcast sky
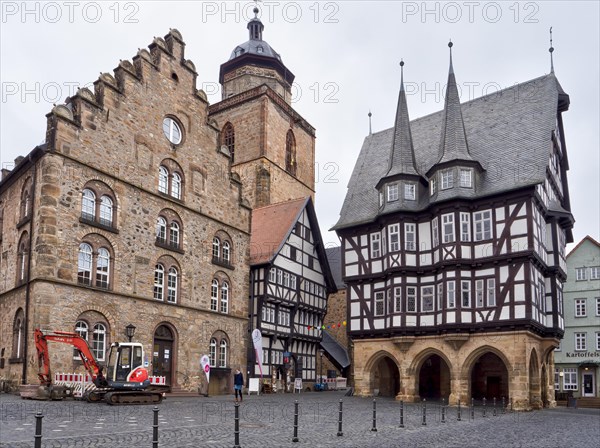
345	57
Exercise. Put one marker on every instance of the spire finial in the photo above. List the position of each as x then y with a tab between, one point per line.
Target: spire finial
551	50
450	44
401	74
370	115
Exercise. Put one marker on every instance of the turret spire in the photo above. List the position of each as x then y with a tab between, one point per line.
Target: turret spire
402	160
453	144
551	50
255	26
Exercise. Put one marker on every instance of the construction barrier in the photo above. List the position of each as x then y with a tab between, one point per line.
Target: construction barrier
81	383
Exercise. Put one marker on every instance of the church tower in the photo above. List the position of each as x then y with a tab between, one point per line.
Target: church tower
271	147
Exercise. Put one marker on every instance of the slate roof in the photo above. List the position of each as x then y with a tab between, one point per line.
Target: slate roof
335	350
509	133
334	257
271	226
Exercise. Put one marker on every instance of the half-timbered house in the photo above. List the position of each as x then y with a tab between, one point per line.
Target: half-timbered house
289	283
453	241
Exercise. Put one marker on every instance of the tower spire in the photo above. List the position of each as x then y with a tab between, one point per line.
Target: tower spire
551	50
255	26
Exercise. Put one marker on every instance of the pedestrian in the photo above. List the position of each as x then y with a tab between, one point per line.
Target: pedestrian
238	383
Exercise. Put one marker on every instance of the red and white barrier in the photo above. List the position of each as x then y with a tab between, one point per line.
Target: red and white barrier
80	383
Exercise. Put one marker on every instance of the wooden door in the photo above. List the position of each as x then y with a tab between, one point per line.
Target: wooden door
162	353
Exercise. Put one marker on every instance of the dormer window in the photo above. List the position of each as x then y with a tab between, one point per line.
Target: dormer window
381	198
447	179
409	191
392	192
466	178
432	186
259	49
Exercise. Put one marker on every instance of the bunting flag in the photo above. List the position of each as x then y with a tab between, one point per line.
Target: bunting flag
328	327
257	341
205	364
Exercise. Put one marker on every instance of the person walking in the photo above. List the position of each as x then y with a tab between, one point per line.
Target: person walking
238	383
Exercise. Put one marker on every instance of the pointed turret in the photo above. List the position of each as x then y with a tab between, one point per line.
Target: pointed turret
453	144
402	158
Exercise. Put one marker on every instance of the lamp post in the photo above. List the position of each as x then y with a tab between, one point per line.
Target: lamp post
130	331
321	351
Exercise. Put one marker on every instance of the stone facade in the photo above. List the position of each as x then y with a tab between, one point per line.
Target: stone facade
113	142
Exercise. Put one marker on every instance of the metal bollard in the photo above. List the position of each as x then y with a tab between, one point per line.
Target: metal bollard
401	414
340	433
484	415
511	404
458	412
424	422
38	430
503	406
472	409
494	408
155	428
236	426
374	428
443	411
295	438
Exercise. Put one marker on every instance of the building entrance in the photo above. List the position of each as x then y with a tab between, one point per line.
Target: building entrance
434	379
588	384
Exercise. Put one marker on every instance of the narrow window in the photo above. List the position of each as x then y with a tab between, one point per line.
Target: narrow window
159	279
410	237
88	205
290	153
432	186
375	245
163	180
451	294
226	252
228	141
447	179
214	295
102	268
272	275
81	328
394	237
465	226
397	299
411	299
409	191
440	295
491	292
161	230
84	271
392	192
580	342
223	353
212	352
106	211
379	304
99	342
172	285
482	222
479	293
466	178
176	186
427	298
448	226
225	297
435	231
216	248
174	235
466	294
580	308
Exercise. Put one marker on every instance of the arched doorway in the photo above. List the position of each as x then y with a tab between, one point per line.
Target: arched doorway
385	378
434	379
162	353
489	378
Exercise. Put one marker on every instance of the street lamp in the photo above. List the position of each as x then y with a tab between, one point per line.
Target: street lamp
130	331
321	351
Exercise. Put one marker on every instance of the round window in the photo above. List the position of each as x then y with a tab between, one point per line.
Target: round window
172	130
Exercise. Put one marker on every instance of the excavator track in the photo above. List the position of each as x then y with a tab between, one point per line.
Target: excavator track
133	397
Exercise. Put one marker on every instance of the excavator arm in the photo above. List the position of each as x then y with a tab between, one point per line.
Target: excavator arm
41	344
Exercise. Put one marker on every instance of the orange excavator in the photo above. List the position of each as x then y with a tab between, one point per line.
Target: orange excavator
126	380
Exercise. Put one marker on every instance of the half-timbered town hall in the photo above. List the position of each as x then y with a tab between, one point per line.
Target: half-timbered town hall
453	236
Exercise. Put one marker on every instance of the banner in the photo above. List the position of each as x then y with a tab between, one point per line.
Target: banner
257	341
205	364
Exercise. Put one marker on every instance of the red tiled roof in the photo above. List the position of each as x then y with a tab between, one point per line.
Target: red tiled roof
270	227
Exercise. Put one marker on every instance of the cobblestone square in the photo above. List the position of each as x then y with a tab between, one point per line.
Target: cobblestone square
267	421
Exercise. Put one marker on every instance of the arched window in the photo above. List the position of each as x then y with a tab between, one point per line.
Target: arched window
106	211
23	258
228	140
212	354
290	153
99	342
174	235
81	328
214	295
216	248
161	230
176	186
102	268
223	353
172	285
163	180
226	252
88	205
84	264
159	280
18	342
225	297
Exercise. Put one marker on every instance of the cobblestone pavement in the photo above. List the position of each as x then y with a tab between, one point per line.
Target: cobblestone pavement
267	421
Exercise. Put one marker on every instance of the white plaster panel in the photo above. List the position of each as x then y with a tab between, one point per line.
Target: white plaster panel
411	260
427	321
354	324
424	236
451	317
376	266
363	240
519	311
411	321
425	259
519	226
505	313
500	213
503	274
520	274
351	270
465	317
379	324
519	293
355	309
351	256
519	244
396	321
365	253
465	252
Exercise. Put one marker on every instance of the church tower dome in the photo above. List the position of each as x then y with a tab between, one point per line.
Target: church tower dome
253	63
